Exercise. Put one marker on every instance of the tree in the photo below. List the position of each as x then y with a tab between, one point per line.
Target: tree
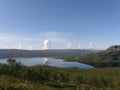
11	61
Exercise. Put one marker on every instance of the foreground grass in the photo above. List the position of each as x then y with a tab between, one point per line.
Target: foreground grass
14	76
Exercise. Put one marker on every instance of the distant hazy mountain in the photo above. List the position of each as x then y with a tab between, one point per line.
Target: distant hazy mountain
6	53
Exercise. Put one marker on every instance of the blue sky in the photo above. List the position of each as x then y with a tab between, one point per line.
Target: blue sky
30	22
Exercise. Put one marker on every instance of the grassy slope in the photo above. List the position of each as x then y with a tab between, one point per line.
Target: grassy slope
18	77
106	58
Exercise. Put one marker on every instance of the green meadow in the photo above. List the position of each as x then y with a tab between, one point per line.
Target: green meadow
15	76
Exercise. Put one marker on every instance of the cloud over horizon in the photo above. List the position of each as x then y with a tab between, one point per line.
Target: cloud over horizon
36	41
58	40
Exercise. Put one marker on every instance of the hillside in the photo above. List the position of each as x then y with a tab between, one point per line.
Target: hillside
15	76
111	54
108	57
6	53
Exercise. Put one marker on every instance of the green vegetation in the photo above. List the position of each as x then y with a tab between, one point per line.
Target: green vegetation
15	76
106	58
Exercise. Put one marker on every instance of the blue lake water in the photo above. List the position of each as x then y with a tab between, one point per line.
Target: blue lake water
51	62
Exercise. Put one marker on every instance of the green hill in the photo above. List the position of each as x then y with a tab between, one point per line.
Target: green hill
108	57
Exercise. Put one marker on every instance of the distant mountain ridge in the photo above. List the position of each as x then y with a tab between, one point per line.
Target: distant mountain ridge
114	48
6	53
110	54
108	57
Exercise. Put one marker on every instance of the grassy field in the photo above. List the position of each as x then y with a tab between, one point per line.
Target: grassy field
15	76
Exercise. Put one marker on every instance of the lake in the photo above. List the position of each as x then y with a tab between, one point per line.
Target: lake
50	61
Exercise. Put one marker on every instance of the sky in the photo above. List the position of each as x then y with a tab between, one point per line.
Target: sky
75	23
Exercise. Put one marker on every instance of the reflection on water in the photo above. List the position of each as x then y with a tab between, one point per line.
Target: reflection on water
49	61
45	61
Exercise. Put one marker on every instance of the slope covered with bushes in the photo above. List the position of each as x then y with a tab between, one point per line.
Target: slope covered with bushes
15	76
106	58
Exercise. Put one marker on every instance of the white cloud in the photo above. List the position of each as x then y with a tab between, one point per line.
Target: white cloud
79	46
48	34
57	40
9	37
36	41
30	47
52	36
91	45
69	45
46	44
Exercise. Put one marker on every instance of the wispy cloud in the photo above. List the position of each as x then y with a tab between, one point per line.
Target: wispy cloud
9	37
34	40
52	36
